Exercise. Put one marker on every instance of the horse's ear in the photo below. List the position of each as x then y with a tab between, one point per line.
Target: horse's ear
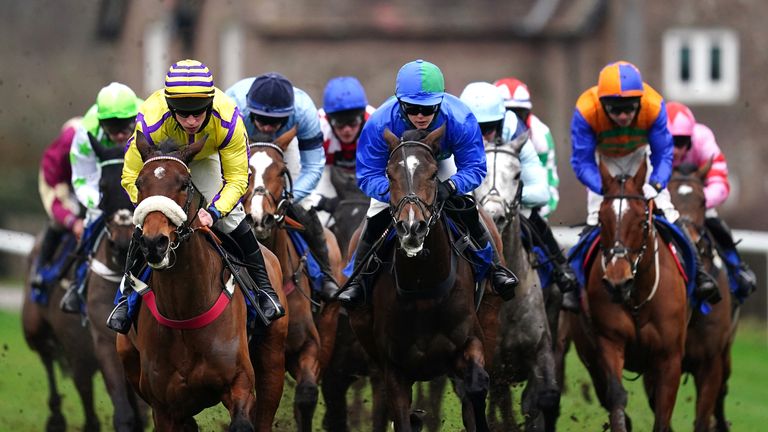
143	146
98	149
641	174
391	139
246	199
285	139
433	139
604	173
189	152
704	170
518	142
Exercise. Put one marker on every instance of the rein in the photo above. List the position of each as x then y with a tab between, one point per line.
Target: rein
286	198
511	208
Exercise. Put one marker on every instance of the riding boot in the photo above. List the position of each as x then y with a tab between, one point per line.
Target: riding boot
564	276
503	280
119	320
374	226
71	300
315	238
745	278
269	302
48	246
706	286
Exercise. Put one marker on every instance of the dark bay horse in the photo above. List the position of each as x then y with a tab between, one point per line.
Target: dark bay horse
422	322
60	338
635	306
524	350
310	336
350	211
185	355
104	275
710	336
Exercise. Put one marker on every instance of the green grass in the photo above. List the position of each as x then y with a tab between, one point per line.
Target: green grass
23	392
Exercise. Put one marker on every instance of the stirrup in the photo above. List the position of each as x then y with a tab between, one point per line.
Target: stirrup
70	301
118	320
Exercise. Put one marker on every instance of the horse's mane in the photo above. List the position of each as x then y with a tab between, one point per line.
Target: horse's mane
168	146
687	168
261	137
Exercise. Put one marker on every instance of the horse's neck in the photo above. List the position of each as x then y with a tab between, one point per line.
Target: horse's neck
513	242
193	282
433	266
281	245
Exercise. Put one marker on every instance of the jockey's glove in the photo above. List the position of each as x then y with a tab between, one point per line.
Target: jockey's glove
327	204
215	213
650	192
445	190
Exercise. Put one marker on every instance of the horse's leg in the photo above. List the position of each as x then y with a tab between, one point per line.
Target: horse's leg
475	383
56	420
501	403
398	394
239	398
662	381
434	403
305	397
615	397
82	374
709	380
334	387
380	415
268	360
722	423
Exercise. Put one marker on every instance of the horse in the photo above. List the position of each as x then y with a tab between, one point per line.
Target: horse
310	340
189	349
105	272
422	322
60	338
524	350
710	336
634	305
350	211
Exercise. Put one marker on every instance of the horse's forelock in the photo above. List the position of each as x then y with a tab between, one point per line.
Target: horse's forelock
168	147
415	135
687	168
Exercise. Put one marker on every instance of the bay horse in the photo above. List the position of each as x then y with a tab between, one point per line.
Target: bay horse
105	272
524	350
60	338
422	322
311	336
710	336
634	305
186	352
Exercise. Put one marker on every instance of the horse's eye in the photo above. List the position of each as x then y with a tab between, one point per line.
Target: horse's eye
517	176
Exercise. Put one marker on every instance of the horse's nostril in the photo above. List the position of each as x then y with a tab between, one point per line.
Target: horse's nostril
421	227
401	228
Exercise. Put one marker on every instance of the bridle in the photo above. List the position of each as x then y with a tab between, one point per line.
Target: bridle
619	249
703	243
281	205
511	208
411	197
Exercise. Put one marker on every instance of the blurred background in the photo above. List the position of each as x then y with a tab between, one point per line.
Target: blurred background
705	53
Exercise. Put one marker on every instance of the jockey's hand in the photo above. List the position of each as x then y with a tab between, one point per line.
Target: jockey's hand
445	190
78	228
204	217
327	204
649	192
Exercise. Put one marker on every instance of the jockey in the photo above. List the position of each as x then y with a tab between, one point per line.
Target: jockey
59	201
624	119
517	101
188	108
271	105
486	103
345	110
110	122
695	144
421	102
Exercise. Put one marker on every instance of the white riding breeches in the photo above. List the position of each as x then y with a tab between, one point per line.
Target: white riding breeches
206	174
628	165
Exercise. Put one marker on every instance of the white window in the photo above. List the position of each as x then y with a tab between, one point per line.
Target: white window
156	58
701	66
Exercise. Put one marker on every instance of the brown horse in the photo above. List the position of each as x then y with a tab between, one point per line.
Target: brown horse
105	271
185	355
422	322
635	305
60	337
310	336
710	336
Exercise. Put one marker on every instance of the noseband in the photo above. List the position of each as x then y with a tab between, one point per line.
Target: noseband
411	197
281	206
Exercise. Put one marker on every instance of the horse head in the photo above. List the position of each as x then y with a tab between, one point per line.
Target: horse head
165	195
269	191
412	172
686	189
501	190
115	203
625	224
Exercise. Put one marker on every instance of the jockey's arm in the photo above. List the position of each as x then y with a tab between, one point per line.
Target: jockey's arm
371	163
234	169
131	168
311	152
85	169
466	143
662	151
55	183
716	185
583	157
533	177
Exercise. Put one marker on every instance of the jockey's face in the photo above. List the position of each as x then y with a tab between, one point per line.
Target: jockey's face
420	115
346	129
267	125
190	122
118	130
682	145
620	112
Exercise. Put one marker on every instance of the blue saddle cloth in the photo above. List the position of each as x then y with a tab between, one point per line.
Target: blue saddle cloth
545	266
313	268
52	271
584	252
481	259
